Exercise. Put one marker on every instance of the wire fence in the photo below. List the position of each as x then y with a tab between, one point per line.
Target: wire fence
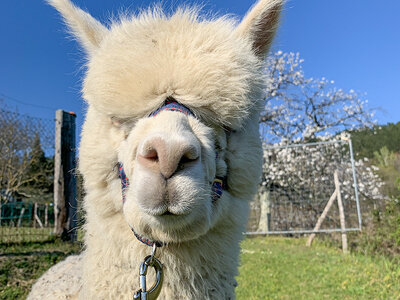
26	176
298	182
18	132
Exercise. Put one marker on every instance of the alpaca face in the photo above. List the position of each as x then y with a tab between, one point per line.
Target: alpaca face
213	67
171	161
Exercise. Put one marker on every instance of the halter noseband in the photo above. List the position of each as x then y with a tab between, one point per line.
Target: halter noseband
217	187
170	104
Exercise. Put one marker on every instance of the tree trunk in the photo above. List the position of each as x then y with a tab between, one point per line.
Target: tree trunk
264	225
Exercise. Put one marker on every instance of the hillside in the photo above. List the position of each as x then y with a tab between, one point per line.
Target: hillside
369	140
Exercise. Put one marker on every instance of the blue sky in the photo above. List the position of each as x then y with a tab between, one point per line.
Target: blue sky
356	43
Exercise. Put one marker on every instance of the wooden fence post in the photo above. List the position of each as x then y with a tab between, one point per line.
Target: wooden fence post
341	213
46	212
21	215
65	206
322	217
34	214
336	194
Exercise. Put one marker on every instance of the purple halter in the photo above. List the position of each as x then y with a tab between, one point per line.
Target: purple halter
217	186
171	105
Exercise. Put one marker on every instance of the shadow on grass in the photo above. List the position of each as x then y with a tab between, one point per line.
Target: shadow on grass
51	240
32	253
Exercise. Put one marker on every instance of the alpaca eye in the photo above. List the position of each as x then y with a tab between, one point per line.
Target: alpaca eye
124	123
116	122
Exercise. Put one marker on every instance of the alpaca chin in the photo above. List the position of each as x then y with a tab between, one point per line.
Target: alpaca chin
170	228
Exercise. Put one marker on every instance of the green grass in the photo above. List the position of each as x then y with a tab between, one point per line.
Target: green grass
22	264
10	234
271	268
282	268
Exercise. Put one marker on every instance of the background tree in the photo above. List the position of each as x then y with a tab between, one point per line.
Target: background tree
369	140
24	169
381	144
41	168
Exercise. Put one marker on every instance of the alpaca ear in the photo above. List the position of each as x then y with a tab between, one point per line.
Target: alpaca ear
260	24
83	26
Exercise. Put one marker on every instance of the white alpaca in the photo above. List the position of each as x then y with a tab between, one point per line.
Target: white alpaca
212	68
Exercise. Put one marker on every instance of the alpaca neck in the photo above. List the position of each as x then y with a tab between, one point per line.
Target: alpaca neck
203	268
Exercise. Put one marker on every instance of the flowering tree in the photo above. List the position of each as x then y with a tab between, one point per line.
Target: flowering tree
299	109
298	181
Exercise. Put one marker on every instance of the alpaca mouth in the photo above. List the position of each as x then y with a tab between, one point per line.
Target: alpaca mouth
168	213
174	213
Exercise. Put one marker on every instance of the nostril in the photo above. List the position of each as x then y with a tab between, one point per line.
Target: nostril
151	154
167	155
149	159
187	159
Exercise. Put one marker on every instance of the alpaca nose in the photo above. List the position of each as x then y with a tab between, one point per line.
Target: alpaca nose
168	156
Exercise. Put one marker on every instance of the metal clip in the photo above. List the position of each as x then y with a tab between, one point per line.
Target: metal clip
154	292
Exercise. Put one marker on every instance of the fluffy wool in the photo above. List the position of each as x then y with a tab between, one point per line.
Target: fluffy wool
214	68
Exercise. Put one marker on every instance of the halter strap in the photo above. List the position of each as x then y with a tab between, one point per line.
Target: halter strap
146	241
124	180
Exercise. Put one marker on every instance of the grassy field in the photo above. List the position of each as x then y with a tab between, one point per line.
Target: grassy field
279	268
24	234
22	264
271	268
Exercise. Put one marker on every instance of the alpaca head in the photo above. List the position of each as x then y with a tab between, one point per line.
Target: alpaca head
213	68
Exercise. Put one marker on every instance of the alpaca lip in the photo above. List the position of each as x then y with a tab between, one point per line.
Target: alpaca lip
164	212
171	213
168	213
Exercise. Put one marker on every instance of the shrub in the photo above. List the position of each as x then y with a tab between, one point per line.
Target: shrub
382	235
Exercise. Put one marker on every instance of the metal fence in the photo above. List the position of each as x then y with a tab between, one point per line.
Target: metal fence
26	221
298	182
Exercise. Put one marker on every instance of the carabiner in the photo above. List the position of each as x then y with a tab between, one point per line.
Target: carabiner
154	292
